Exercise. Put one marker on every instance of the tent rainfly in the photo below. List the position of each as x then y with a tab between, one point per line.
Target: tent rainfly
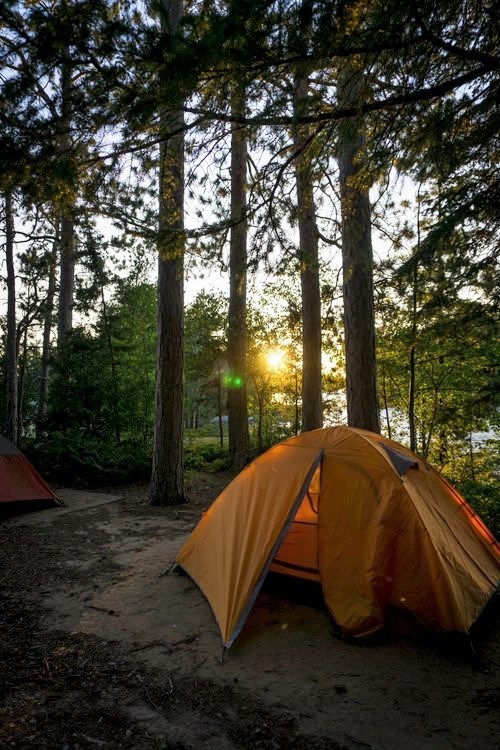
22	488
363	515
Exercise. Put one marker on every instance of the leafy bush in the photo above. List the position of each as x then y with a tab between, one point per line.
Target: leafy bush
206	456
485	500
476	476
78	459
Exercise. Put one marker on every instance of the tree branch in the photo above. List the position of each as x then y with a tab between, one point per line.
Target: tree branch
342	113
472	55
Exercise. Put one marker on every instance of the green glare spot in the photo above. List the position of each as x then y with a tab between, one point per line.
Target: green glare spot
233	381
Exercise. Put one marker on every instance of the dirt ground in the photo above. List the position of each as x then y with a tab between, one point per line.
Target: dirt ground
100	648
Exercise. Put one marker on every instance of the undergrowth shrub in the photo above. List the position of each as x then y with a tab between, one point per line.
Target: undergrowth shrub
85	461
206	457
477	477
485	500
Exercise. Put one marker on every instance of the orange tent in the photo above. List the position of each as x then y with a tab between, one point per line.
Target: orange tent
374	523
21	486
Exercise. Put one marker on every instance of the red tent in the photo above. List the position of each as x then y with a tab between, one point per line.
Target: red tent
22	488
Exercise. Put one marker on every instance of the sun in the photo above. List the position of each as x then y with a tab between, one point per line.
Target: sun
275	359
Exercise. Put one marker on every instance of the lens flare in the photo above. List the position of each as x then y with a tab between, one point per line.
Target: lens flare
233	381
275	359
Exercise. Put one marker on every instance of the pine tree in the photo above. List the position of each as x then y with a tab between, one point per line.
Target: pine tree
312	416
357	261
167	479
11	420
237	325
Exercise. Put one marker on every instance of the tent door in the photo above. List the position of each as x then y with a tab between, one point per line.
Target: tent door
297	556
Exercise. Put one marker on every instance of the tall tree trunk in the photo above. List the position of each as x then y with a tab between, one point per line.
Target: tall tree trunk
67	217
413	343
114	370
21	377
47	332
260	393
237	314
296	404
219	405
11	343
167	479
412	380
312	416
357	260
66	276
386	407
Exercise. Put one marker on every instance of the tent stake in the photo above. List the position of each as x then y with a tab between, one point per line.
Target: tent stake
171	569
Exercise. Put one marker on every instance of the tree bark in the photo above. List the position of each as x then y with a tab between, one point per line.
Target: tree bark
114	369
47	332
413	343
22	361
411	390
66	276
312	413
11	342
357	261
167	479
260	393
219	405
67	218
386	407
237	408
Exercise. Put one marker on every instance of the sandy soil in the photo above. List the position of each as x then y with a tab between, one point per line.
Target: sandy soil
100	648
